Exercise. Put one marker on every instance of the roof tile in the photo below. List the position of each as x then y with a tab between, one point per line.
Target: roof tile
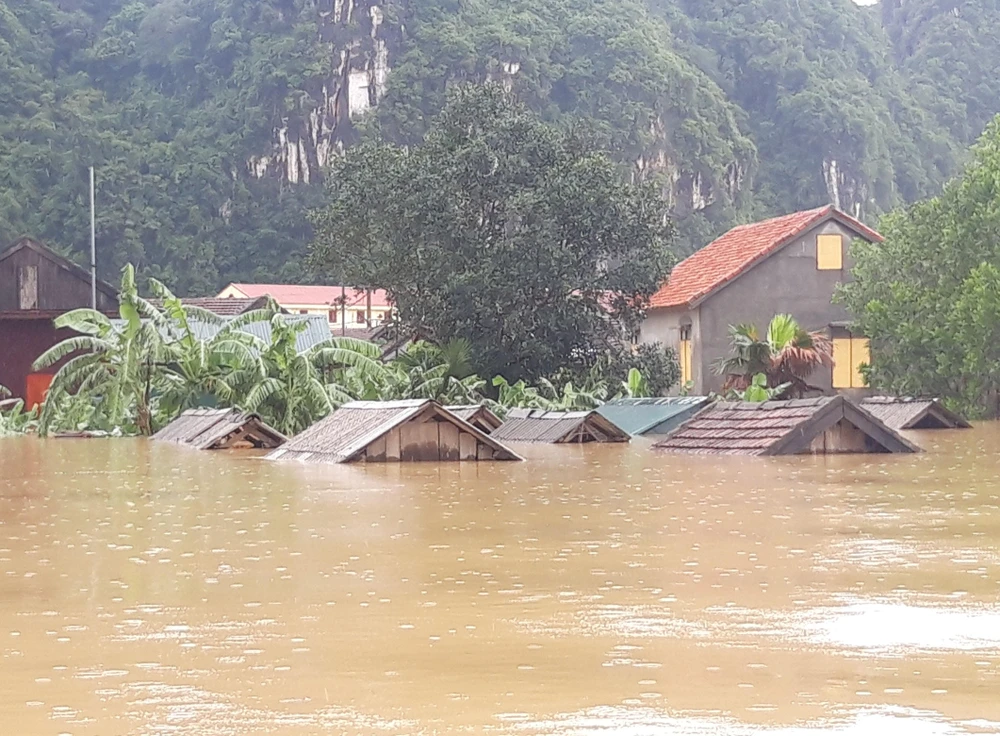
730	255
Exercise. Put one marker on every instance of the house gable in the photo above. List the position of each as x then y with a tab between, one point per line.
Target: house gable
34	277
727	258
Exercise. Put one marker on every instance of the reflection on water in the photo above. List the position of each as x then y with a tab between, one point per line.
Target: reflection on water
155	590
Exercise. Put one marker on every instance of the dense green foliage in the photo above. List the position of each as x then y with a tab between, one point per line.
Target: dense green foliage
134	375
929	296
206	118
498	229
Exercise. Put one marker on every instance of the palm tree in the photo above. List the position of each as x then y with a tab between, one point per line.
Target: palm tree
788	354
426	371
292	389
111	367
204	354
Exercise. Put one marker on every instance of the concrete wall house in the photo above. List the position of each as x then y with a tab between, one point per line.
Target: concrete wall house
786	265
36	286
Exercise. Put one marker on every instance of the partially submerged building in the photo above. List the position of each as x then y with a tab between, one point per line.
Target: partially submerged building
910	413
478	415
36	286
558	427
220	429
786	265
826	425
392	431
652	416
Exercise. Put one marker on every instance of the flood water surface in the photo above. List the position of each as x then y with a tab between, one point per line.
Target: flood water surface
606	589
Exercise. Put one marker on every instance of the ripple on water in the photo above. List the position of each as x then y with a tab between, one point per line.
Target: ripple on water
636	720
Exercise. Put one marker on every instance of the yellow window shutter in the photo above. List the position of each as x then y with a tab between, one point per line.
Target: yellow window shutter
829	252
860	354
685	361
843	368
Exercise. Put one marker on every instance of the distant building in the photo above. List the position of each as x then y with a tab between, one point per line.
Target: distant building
344	308
786	265
231	307
36	286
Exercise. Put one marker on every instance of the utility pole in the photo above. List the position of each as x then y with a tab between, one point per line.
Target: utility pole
343	309
93	244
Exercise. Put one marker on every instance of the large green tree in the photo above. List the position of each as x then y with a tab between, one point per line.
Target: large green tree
500	229
929	296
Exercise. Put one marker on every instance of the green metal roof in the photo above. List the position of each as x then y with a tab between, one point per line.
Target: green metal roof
654	415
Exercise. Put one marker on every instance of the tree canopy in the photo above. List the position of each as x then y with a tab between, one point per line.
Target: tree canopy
929	296
500	229
212	123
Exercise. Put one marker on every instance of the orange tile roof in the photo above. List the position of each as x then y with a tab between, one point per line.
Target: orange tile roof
312	295
730	255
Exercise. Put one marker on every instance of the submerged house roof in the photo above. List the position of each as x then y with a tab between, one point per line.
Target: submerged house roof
392	431
829	424
478	415
652	415
735	252
216	429
557	427
909	413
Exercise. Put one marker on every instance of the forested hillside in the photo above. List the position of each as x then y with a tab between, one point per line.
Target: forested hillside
212	121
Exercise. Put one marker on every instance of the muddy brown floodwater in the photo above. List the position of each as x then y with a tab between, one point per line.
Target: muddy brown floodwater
147	589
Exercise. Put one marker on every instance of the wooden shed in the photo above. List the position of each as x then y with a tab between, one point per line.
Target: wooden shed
392	431
36	286
478	415
558	427
908	413
826	425
652	416
220	429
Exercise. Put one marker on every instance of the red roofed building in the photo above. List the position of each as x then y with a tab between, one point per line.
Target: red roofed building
344	307
786	265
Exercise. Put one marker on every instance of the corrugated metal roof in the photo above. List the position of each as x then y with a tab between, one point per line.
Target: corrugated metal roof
912	413
773	427
651	415
537	425
345	433
204	429
317	329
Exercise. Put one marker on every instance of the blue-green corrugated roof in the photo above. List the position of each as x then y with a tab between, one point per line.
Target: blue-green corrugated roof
652	416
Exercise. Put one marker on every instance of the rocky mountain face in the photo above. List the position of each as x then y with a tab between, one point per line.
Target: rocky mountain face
212	121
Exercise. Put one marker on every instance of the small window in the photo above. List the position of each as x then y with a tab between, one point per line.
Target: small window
333	315
685	354
849	354
359	316
27	284
830	252
303	311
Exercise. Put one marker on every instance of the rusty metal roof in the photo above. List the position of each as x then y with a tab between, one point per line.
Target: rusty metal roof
344	434
910	413
206	429
538	425
775	427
